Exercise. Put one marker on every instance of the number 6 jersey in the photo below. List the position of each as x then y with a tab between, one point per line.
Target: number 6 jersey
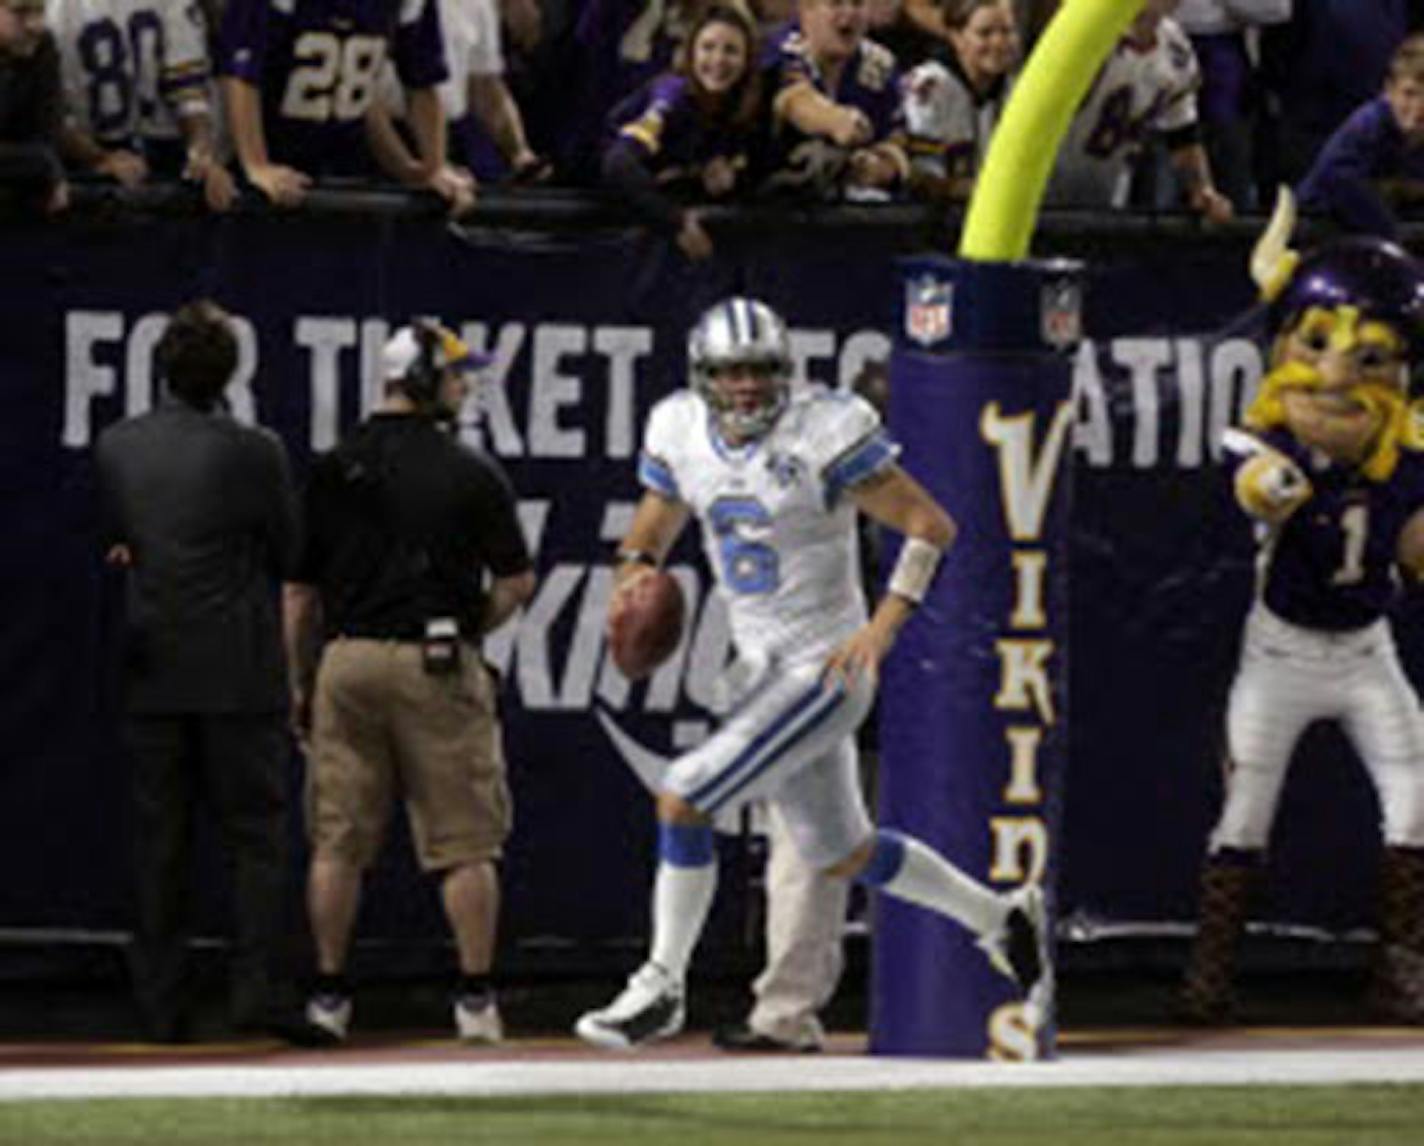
777	523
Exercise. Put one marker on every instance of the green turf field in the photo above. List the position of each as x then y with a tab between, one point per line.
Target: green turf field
1218	1116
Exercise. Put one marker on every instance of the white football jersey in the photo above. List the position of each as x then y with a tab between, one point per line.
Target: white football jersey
1137	91
127	64
777	526
948	125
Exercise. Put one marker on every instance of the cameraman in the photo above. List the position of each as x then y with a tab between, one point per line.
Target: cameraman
402	523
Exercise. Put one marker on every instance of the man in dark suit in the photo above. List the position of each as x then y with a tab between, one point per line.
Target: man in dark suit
199	512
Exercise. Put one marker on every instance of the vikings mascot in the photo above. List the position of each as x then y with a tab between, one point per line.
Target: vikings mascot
1329	465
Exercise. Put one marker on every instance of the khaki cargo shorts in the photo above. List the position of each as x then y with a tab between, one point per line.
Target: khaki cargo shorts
383	728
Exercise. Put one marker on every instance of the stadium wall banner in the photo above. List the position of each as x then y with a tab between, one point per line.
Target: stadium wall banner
587	334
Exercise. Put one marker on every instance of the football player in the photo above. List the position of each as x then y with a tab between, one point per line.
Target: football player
775	479
834	98
298	77
136	85
1329	467
1148	84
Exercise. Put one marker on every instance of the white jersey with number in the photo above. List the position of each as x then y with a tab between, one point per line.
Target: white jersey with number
126	65
777	523
1139	90
948	125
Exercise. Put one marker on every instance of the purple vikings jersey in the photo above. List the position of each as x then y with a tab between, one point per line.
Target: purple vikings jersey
317	64
672	135
1332	564
621	45
870	81
1365	150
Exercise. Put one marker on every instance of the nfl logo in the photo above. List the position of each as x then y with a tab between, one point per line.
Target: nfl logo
1062	313
929	310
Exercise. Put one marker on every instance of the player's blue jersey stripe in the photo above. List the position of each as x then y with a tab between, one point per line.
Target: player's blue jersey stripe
858	463
760	741
656	475
818	717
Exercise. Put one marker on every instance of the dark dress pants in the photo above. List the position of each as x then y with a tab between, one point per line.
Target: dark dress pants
234	764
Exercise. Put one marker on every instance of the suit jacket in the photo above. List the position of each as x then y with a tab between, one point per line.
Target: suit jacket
206	507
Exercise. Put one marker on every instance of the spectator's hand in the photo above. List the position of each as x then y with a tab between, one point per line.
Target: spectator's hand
693	239
300	715
527	168
1212	205
851	128
119	556
456	186
58	198
283	186
872	168
219	188
524	22
124	167
719	176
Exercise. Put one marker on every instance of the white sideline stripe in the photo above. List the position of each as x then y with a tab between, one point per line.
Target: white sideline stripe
633	1074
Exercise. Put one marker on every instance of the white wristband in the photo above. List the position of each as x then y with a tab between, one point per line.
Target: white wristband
915	569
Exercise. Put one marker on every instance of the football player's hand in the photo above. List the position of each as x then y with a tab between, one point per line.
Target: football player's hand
124	167
693	239
284	186
456	186
858	657
1212	205
851	128
628	574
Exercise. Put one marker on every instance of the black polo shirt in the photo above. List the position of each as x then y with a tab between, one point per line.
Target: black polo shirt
402	521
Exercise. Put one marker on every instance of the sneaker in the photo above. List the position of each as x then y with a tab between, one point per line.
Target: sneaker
649	1008
1019	949
477	1020
331	1014
744	1038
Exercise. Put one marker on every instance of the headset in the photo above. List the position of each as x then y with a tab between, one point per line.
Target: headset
422	379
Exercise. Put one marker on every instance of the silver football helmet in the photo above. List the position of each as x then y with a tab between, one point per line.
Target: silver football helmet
741	336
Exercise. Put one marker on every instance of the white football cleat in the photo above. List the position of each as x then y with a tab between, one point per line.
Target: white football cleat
649	1008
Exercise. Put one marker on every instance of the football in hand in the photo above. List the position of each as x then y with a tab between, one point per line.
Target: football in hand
646	624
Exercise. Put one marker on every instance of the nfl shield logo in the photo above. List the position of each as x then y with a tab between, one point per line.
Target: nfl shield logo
1061	313
929	310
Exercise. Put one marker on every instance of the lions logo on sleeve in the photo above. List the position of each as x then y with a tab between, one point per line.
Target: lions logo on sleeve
777	519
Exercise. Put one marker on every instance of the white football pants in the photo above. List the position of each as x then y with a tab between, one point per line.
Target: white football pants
1288	678
791	742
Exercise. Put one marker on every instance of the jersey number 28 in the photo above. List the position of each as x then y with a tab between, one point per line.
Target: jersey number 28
334	77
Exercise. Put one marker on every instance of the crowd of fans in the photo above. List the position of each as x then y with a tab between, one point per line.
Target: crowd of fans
1204	105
